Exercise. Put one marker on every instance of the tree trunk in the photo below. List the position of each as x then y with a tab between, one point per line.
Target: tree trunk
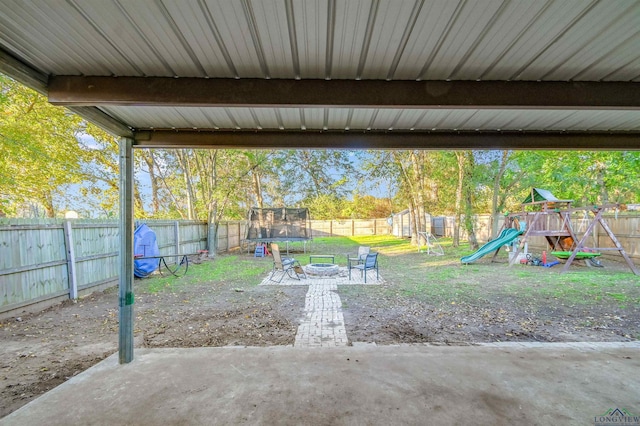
306	163
409	178
458	205
169	189
257	186
604	194
212	234
149	158
186	173
210	177
417	162
47	203
469	165
413	222
138	204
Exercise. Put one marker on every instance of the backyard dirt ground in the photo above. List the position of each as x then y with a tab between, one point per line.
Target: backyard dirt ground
40	351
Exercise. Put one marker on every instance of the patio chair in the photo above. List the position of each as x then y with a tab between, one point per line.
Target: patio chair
363	251
370	263
284	266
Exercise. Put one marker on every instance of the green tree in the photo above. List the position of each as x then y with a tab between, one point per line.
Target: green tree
41	152
308	174
589	177
100	173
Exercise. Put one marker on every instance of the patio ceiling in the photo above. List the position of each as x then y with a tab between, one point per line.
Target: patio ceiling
555	74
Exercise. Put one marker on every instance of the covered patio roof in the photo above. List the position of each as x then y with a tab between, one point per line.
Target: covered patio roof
429	74
555	74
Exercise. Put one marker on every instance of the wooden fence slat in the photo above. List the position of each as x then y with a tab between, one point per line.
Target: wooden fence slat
176	236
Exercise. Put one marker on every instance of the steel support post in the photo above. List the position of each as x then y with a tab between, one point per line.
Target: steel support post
125	342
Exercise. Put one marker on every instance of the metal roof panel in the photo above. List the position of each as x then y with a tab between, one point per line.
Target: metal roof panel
58	40
230	25
272	39
349	37
499	37
362	118
312	23
429	33
439	39
600	28
198	27
608	47
534	33
314	118
466	28
392	21
378	118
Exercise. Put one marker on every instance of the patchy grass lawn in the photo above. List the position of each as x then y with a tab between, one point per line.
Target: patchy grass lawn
231	270
432	278
443	279
436	298
431	286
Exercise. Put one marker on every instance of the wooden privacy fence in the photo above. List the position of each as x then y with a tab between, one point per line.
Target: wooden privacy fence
231	234
44	262
49	261
349	227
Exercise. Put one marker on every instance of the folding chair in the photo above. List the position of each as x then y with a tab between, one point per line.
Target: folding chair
284	266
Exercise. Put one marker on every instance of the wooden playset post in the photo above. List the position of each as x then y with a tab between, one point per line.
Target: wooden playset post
598	211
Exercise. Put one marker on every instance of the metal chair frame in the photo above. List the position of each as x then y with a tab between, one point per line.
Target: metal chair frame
370	263
283	265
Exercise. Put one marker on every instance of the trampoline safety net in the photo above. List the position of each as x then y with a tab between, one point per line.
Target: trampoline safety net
279	224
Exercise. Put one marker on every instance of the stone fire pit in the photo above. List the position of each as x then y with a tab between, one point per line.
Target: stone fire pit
322	269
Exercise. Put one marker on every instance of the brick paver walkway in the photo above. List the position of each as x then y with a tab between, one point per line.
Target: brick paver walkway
323	322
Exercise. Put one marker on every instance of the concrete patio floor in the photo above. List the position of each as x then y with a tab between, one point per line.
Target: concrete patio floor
490	384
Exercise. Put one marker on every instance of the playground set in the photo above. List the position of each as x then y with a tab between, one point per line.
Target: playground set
544	215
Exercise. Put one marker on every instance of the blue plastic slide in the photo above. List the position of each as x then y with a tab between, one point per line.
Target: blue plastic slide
505	237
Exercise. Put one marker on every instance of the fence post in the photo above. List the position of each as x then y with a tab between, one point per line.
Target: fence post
353	228
176	234
331	228
375	226
71	260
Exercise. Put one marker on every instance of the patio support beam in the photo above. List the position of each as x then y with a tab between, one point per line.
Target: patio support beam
386	140
38	81
125	295
163	91
100	119
22	72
